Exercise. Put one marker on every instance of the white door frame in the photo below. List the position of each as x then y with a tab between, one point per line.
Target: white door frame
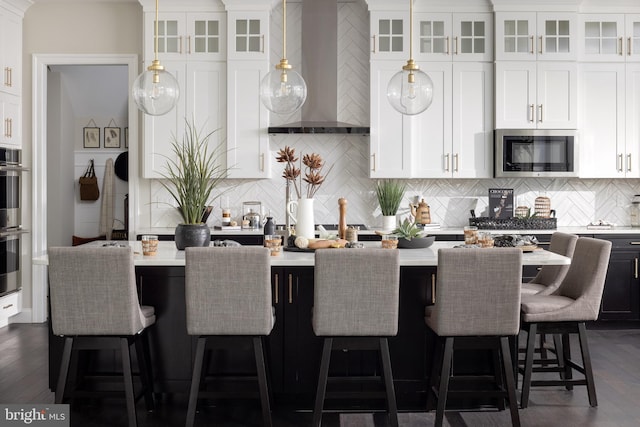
40	62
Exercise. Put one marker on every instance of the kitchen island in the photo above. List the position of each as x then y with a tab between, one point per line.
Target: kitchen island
293	349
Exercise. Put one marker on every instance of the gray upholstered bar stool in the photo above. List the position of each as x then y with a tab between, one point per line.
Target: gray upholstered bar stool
228	293
549	277
356	306
565	312
548	280
477	306
94	305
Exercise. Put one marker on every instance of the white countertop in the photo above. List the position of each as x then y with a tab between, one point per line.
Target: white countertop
167	231
168	256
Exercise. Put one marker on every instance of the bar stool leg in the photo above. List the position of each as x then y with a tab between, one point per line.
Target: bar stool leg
509	379
388	382
144	365
125	344
262	381
444	381
64	369
586	360
528	364
195	381
322	381
566	354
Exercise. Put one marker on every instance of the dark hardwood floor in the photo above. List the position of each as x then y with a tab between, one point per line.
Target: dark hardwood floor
615	353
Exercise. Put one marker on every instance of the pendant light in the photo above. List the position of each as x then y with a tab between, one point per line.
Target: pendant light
156	91
410	91
283	90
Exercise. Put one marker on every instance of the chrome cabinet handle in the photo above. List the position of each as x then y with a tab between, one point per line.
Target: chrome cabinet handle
262	44
374	162
290	289
448	48
540	47
532	51
180	45
373	50
620	49
634	243
629	46
455	45
9	128
262	162
9	76
620	162
7	306
188	45
540	113
446	162
628	162
531	112
635	268
455	162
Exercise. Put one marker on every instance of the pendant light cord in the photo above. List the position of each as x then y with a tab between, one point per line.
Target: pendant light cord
410	29
155	42
284	29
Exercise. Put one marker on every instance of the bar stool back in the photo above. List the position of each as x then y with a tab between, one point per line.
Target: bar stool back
549	277
478	297
228	293
94	305
356	306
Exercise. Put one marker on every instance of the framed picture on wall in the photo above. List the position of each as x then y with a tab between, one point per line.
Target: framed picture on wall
91	137
111	137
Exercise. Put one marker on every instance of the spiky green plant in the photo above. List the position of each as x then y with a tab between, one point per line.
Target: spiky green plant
408	230
390	193
193	174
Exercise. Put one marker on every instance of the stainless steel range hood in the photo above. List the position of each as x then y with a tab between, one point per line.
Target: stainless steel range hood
320	72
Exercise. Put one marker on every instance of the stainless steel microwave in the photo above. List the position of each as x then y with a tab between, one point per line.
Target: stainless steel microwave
536	153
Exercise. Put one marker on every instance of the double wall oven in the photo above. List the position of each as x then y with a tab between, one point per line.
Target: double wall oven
11	230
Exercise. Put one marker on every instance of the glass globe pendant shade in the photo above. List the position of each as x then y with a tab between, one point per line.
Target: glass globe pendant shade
156	91
283	91
410	91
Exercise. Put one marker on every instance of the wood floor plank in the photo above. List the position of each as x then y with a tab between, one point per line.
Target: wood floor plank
615	353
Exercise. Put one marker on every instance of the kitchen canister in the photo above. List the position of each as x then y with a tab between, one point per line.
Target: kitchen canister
542	207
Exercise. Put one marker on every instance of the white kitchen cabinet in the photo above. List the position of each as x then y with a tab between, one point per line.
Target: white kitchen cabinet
453	36
536	94
609	37
10	305
389	139
11	51
248	121
453	138
248	35
535	36
247	64
389	35
609	141
203	99
10	110
186	36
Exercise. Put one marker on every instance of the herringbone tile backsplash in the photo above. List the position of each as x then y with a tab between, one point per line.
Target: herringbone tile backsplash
576	201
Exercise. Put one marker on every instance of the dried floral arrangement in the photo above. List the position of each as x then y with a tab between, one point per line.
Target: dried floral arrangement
313	171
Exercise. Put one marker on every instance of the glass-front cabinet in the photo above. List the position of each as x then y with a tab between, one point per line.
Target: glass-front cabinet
248	32
535	35
389	32
457	37
609	37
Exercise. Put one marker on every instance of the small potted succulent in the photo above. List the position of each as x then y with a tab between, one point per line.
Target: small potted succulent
410	236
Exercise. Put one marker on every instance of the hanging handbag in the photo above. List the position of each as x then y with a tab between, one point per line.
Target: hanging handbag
89	184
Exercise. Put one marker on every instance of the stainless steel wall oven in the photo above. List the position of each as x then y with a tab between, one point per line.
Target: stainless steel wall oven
11	230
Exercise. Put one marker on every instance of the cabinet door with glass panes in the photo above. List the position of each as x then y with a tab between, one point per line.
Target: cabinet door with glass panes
536	36
632	37
454	37
248	35
610	37
186	36
389	35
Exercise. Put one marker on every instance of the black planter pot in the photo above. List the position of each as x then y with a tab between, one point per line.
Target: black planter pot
192	235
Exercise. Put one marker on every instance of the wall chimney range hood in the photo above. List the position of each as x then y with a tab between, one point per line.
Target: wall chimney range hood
320	72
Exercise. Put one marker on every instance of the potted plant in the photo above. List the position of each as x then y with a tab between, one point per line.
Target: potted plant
410	236
390	194
191	176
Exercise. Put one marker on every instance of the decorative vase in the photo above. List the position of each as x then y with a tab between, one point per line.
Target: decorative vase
389	222
301	212
192	235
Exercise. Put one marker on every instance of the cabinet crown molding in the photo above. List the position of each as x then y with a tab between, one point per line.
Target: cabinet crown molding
610	6
250	5
183	6
17	6
537	6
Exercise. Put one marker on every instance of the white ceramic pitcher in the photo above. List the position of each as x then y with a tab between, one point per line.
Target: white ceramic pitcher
301	212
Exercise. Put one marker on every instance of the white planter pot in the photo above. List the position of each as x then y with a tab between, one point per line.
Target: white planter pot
389	222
